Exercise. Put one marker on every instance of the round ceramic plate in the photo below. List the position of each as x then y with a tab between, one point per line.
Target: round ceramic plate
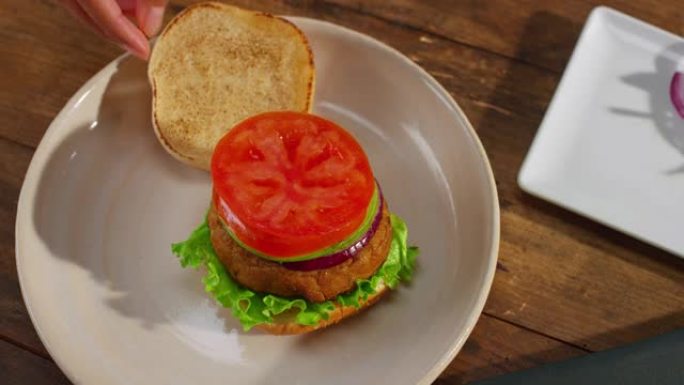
102	202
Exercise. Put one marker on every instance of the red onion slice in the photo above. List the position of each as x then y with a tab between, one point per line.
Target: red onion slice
335	259
677	92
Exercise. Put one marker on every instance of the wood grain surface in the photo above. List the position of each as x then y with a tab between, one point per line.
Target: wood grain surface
565	286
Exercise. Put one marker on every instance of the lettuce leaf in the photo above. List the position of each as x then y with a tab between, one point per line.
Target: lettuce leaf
252	308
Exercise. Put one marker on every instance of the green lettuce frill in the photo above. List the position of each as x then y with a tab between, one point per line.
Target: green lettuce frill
252	308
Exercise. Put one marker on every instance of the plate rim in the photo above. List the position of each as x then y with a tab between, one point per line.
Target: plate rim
32	176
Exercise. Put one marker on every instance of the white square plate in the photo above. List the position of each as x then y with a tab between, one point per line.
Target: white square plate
611	146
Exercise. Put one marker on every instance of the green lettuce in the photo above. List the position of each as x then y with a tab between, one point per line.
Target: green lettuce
252	308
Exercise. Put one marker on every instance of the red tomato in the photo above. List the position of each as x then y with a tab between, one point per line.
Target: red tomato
289	183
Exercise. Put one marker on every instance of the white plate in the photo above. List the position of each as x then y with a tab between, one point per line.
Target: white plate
611	146
102	202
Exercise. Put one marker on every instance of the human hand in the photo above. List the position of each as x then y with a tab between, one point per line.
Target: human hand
127	23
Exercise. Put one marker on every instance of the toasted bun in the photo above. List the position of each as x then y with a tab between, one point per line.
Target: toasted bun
215	65
285	325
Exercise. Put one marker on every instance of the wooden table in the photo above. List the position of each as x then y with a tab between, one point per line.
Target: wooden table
565	286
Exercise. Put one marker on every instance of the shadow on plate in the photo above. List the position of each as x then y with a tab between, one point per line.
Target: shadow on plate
71	206
657	85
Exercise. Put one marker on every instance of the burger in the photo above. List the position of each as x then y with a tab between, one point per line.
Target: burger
298	235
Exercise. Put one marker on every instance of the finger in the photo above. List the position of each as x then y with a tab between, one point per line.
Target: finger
76	11
150	14
108	15
127	5
128	8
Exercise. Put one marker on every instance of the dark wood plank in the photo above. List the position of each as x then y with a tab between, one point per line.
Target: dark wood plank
496	347
14	320
499	25
46	57
595	296
19	367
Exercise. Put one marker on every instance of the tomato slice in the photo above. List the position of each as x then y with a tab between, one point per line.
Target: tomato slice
288	183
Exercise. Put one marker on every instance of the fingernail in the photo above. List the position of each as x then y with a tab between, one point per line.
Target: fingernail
153	20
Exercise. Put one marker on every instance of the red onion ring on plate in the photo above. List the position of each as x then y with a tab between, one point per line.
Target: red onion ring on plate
677	92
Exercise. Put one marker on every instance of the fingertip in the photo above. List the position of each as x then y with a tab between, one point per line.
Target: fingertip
137	42
142	54
138	49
